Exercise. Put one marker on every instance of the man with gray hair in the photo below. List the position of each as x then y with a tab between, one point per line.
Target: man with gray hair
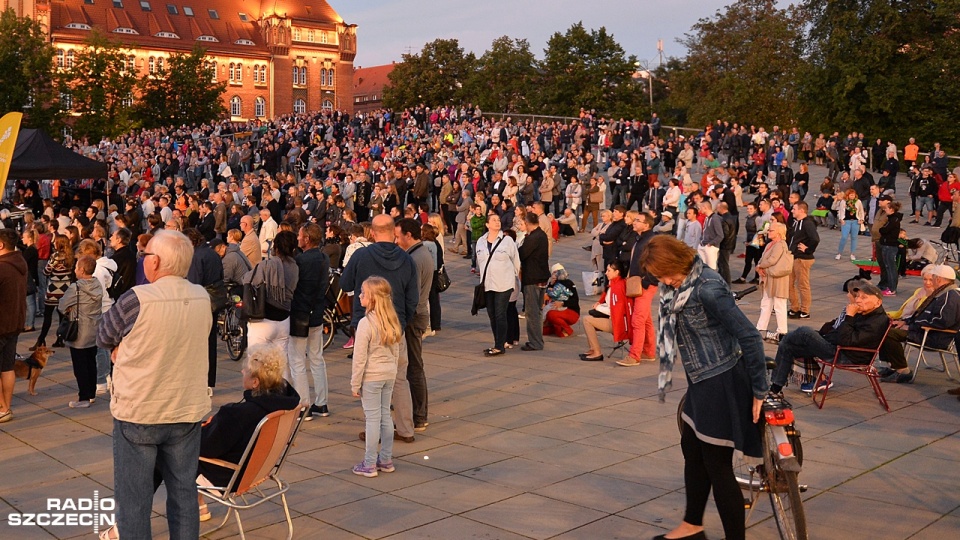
155	333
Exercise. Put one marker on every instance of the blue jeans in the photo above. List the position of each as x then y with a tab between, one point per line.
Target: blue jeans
888	262
104	366
804	342
533	311
31	311
851	228
497	311
174	449
375	398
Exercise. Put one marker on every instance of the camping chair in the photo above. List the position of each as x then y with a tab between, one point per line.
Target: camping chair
258	469
827	367
923	348
620	347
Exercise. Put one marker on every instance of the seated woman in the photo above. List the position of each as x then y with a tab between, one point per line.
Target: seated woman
612	314
226	434
920	253
564	303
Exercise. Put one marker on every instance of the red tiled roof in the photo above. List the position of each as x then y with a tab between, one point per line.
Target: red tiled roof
227	28
371	80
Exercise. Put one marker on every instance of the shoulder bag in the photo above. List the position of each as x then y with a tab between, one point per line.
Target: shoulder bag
783	266
254	298
69	327
634	286
479	292
442	279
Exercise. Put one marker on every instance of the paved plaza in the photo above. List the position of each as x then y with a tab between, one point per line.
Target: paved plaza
534	444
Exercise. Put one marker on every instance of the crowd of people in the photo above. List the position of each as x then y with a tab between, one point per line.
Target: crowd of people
374	203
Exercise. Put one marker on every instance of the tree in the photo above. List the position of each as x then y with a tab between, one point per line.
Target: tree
101	84
887	68
741	66
28	81
504	77
436	75
184	91
589	70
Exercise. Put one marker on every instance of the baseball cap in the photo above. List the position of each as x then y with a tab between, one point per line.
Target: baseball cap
944	271
215	243
867	288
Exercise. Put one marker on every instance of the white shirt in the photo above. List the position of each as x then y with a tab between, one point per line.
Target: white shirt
504	266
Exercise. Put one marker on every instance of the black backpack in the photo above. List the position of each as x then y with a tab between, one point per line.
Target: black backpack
117	286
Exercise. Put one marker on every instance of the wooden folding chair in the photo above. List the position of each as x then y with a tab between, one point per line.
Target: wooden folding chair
922	348
258	469
827	367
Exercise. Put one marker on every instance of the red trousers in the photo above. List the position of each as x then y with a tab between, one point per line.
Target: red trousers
559	322
643	342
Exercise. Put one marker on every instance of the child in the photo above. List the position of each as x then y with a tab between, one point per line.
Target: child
376	351
478	225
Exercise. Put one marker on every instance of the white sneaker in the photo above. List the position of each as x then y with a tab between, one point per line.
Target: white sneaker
429	333
84	404
852	258
101	389
837	257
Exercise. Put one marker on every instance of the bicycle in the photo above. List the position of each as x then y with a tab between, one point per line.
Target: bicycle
232	328
777	474
335	316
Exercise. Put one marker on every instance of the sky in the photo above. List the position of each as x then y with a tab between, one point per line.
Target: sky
389	28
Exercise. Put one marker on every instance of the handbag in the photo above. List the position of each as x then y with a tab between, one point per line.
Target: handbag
783	266
254	298
442	279
479	292
596	197
219	298
634	286
69	327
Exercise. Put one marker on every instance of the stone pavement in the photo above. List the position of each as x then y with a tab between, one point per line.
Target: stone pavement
534	444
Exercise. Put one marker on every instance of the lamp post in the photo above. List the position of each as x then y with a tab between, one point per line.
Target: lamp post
648	75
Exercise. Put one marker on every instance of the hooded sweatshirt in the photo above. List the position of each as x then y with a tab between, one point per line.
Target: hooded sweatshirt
13	290
391	262
104	274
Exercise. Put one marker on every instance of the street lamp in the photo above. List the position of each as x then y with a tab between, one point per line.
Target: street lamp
648	75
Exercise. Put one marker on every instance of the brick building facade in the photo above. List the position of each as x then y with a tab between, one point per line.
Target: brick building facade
368	84
276	56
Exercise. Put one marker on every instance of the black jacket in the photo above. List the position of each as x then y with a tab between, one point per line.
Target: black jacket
803	233
309	297
625	243
642	241
890	231
534	258
861	330
126	261
608	240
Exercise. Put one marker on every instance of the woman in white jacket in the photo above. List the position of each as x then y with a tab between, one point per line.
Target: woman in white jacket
574	194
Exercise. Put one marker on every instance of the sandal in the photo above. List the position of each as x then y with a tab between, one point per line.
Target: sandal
113	533
204	512
493	352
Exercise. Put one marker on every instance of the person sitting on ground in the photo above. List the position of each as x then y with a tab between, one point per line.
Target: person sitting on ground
940	310
920	253
568	223
666	225
862	324
564	304
611	314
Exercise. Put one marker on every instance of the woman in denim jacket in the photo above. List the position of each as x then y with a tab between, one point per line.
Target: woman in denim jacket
722	355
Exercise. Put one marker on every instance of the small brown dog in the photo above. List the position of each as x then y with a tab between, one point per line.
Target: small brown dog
30	368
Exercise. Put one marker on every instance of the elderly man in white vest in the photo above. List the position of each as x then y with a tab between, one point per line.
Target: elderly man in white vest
158	337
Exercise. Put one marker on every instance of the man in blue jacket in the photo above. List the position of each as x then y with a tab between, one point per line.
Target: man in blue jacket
305	347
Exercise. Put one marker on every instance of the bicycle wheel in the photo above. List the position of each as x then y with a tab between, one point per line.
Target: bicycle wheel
329	329
784	493
236	334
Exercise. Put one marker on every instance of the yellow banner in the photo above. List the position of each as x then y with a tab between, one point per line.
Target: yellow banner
9	128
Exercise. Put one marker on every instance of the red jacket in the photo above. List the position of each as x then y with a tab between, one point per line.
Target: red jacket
621	310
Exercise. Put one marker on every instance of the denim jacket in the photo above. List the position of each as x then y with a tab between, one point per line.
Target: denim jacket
713	334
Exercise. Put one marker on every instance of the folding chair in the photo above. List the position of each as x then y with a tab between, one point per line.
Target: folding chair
261	462
922	348
622	347
825	377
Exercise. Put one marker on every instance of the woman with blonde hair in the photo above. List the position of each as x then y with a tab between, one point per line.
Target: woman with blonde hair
774	270
376	353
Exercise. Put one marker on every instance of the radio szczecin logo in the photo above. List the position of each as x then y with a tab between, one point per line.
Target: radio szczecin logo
80	512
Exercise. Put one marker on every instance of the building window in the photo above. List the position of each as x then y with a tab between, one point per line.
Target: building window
60	56
188	11
66	101
296	34
233	76
260	107
239	73
243	17
310	36
145	6
323	77
211	68
327	105
152	65
330	77
70	56
213	14
323	37
172	9
356	99
118	3
128	101
299	106
159	63
236	106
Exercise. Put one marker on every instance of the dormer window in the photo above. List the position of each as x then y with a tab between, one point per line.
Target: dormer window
168	35
213	14
78	26
172	9
145	6
125	30
118	4
210	39
244	42
244	18
188	11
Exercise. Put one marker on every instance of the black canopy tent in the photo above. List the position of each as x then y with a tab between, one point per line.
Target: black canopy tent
38	157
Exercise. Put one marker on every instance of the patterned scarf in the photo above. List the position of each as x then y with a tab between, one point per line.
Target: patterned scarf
672	302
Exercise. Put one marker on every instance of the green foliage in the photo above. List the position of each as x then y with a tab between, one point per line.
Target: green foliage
589	70
182	92
436	75
505	77
28	81
887	68
741	66
101	87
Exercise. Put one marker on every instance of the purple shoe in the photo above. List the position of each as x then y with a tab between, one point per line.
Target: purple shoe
362	470
386	467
